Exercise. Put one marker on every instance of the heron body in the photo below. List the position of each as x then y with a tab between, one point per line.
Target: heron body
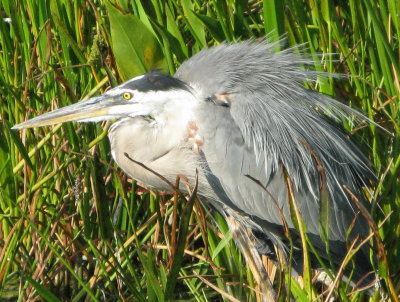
239	113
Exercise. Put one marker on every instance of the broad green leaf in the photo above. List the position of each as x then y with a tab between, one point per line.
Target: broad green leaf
134	46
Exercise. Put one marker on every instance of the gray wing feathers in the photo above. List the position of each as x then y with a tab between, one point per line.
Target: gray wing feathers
273	121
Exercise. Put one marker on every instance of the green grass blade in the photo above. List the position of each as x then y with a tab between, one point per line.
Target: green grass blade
135	48
43	292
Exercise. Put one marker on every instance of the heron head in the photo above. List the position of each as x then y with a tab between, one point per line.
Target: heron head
151	94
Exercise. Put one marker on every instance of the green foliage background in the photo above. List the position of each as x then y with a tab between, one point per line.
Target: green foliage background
74	228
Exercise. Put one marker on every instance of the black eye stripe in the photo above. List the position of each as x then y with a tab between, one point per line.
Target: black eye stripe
155	81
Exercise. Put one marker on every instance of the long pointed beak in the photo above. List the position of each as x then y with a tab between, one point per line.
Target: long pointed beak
93	109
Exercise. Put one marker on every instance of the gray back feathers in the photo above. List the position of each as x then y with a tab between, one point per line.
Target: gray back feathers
276	114
272	122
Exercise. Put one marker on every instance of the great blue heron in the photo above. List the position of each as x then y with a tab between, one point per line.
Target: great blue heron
240	115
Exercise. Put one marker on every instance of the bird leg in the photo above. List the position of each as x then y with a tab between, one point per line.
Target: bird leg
245	240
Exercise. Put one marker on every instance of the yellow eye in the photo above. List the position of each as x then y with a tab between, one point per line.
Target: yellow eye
127	95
